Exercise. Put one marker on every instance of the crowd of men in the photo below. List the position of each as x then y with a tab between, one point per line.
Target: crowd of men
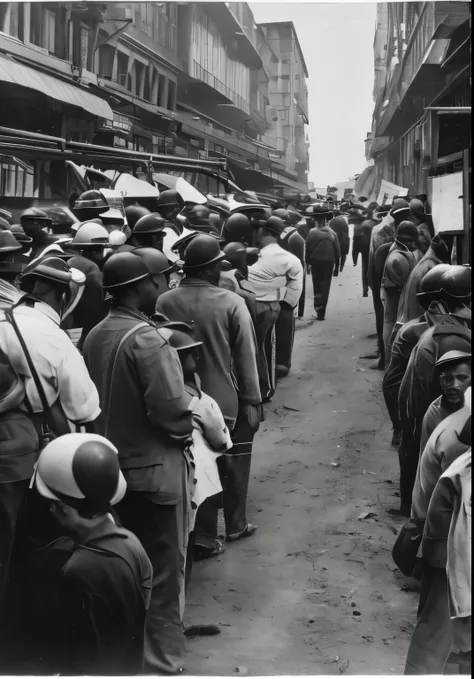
121	448
422	305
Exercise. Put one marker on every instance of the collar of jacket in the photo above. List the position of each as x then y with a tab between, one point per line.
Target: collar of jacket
196	282
123	311
108	528
195	386
42	307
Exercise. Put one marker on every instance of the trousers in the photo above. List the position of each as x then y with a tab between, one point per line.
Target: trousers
285	337
301	303
159	529
432	639
322	273
392	297
12	499
391	388
408	456
234	472
379	313
267	316
365	274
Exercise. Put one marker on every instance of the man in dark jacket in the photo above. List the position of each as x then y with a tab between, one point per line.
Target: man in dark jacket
323	256
361	244
419	388
341	229
146	416
94	622
227	368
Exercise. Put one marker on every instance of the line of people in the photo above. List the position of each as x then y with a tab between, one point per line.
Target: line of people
121	451
422	305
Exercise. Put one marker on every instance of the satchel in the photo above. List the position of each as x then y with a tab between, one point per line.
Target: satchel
407	545
45	434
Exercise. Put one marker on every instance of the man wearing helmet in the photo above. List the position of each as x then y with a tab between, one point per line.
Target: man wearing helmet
35	223
90	205
451	331
90	243
228	371
96	624
149	231
409	307
37	316
405	341
147	417
169	204
399	264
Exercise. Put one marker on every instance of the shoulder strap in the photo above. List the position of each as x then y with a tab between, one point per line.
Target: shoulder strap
128	334
9	315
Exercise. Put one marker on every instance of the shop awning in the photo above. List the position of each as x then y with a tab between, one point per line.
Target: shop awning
15	73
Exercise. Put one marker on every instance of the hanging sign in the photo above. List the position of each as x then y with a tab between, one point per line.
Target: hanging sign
388	191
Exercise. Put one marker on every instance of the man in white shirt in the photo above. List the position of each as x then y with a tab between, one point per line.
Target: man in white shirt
59	364
277	280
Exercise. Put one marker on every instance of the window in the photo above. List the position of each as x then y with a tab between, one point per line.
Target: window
171	95
164	24
12	18
84	46
122	69
146	86
50	31
36	23
106	61
161	91
16	180
138	74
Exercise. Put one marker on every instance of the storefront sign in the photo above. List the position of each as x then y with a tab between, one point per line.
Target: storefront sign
119	125
445	197
388	191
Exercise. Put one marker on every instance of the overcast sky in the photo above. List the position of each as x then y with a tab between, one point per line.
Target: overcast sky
337	42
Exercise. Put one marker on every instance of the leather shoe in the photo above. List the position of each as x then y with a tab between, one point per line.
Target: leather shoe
249	530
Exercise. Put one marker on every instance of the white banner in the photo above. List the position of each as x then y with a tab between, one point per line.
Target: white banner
447	203
388	191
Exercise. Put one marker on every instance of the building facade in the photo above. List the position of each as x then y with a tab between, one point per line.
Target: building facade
190	79
421	120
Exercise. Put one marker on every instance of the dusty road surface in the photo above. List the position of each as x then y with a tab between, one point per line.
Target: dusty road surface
315	591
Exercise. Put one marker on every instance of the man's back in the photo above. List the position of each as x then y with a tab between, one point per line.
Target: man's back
227	364
104	594
321	245
58	363
145	411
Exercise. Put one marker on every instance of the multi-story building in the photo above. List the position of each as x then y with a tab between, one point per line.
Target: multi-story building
421	121
192	79
288	98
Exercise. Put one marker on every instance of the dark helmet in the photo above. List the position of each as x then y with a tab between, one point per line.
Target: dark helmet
198	215
19	233
275	225
456	282
202	251
237	228
169	198
182	338
35	214
431	281
122	269
92	200
8	242
148	224
285	215
134	213
155	260
82	471
54	270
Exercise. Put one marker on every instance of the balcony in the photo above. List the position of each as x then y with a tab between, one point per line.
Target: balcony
242	37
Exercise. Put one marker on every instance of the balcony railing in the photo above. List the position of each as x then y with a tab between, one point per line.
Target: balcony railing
245	19
200	73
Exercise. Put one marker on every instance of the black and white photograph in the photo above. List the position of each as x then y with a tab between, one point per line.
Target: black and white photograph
235	338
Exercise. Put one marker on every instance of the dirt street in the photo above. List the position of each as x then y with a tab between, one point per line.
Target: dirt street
315	591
